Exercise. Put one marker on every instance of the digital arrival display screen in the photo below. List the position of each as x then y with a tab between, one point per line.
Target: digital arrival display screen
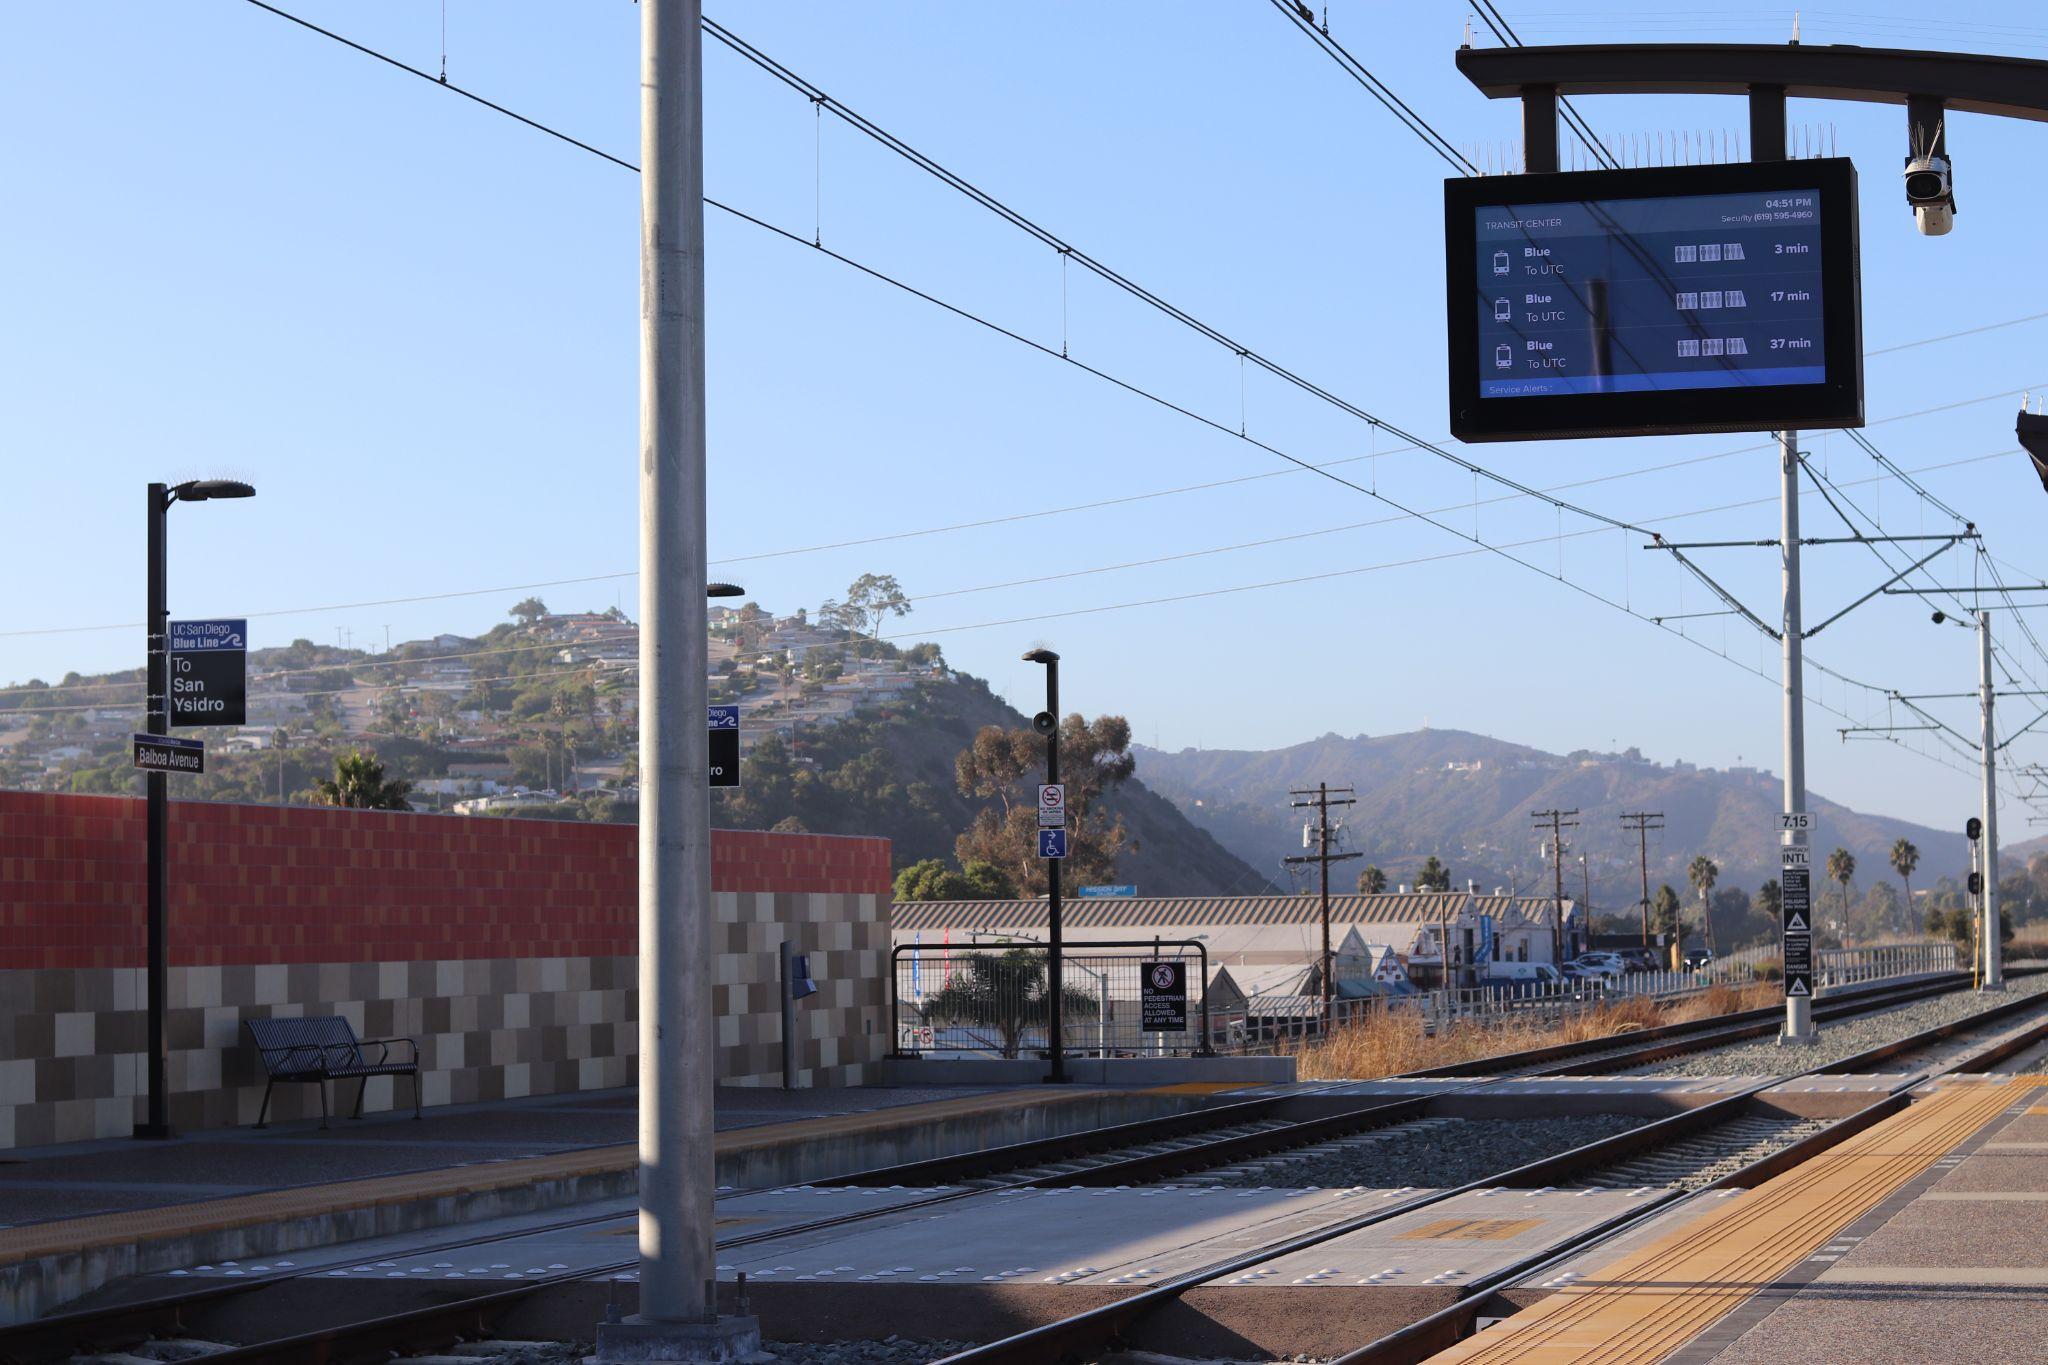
1662	300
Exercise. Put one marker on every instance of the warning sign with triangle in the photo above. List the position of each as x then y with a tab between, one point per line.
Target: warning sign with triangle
1795	923
1798	986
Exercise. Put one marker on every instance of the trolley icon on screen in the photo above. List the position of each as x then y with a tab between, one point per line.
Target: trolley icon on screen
1500	262
1503	356
1503	311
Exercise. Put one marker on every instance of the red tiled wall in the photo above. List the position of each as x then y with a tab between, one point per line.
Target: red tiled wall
264	884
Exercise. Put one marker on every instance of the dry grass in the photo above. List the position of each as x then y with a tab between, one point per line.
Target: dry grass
1390	1044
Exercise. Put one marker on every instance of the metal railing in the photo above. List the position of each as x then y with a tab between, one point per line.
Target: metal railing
992	999
1842	966
1259	1027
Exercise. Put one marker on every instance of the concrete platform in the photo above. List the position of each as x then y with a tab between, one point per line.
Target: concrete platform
243	1194
1920	1239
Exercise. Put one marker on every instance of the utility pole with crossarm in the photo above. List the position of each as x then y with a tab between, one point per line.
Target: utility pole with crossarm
1321	799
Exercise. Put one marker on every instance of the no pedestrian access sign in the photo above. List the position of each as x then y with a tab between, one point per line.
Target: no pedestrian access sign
1052	806
1797	883
1163	997
209	672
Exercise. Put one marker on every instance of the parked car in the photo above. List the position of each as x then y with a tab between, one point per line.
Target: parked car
1606	966
1700	957
1643	959
1583	976
1519	978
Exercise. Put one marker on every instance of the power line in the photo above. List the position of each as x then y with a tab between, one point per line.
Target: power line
1244	353
1490	14
1379	90
985	522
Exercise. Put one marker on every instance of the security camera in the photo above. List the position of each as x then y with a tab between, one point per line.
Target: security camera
1044	723
1930	189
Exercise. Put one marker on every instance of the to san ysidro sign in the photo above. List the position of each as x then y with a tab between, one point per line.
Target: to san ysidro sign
209	673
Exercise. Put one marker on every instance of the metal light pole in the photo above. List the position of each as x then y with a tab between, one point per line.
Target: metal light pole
156	710
1989	931
1055	974
1798	1009
678	1317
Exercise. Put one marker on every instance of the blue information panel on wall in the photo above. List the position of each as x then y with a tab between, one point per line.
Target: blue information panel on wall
1668	299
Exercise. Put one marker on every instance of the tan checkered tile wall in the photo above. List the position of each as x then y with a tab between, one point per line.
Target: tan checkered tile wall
71	1041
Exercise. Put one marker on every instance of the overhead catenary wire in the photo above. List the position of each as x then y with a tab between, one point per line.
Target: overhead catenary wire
1494	20
1639	471
925	633
1137	291
1380	90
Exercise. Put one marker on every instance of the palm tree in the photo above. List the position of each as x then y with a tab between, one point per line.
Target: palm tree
359	782
1006	992
1703	874
1434	876
1842	868
1372	881
1905	858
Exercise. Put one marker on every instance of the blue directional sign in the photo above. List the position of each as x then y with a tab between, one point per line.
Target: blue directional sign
724	722
208	672
1123	889
1052	843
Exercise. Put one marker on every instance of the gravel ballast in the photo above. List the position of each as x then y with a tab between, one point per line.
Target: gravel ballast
1427	1154
1843	1037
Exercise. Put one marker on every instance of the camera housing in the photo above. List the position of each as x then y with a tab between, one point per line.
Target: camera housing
1044	722
1930	189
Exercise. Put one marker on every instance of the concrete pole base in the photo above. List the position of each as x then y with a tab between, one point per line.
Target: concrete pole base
1786	1039
633	1340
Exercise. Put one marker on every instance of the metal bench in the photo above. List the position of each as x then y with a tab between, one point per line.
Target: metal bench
325	1048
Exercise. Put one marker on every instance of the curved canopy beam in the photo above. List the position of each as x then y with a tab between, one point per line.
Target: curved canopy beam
2010	87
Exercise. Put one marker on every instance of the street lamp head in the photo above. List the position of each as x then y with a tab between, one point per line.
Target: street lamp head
1041	656
202	490
724	590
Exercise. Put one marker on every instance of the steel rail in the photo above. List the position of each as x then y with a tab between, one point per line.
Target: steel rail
44	1339
1091	1329
1447	1326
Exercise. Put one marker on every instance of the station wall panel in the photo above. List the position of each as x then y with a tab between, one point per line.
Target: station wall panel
506	947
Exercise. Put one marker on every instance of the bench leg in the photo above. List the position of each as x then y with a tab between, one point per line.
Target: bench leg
263	1114
322	1083
415	1094
361	1089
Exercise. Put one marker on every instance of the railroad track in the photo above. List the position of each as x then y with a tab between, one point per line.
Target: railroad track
1692	1144
1128	1154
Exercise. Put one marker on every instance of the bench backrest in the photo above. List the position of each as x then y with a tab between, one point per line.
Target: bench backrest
313	1044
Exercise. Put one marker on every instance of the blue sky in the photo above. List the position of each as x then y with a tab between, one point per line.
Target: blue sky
236	247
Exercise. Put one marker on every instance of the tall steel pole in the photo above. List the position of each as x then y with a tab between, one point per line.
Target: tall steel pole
1055	967
678	1317
1323	835
1989	931
156	720
1798	1009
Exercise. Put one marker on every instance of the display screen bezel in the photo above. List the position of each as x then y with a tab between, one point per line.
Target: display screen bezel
1836	402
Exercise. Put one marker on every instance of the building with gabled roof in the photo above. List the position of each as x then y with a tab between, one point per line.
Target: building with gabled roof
1257	935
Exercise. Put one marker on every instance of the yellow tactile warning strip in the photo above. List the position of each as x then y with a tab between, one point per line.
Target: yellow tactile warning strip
1470	1229
1197	1088
71	1235
1653	1301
